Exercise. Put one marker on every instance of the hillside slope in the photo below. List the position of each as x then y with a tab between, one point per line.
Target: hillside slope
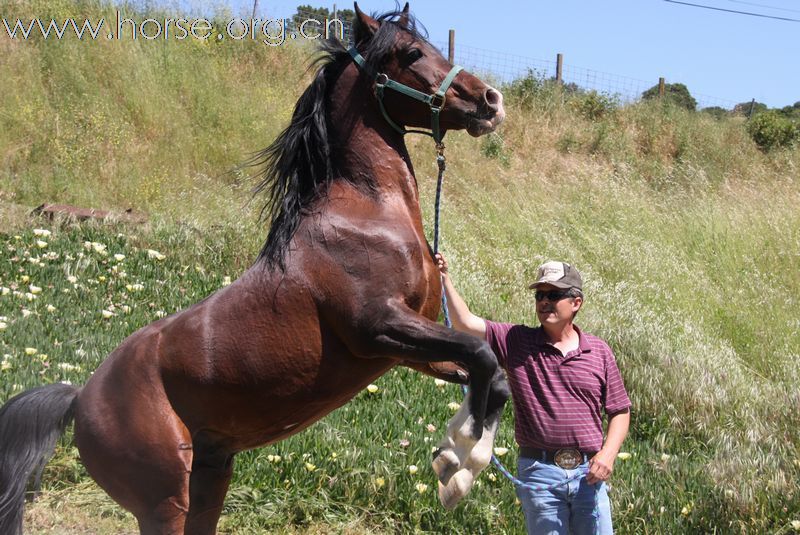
688	237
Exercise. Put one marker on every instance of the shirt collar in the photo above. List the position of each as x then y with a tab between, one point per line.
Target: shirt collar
583	344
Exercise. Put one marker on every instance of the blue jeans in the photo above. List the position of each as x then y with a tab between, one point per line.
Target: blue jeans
567	509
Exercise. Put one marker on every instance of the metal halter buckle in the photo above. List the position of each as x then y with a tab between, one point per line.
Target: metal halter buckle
568	459
437	101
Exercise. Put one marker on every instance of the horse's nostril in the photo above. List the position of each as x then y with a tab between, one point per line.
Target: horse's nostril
493	98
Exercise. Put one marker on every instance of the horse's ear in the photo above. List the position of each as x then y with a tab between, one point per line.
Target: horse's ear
403	20
365	26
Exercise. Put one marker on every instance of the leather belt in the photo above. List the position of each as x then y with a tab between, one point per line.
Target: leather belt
566	458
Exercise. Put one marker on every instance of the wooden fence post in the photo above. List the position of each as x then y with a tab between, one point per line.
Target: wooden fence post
661	87
451	47
559	68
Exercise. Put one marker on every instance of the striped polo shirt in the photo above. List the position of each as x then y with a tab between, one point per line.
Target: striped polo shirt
558	398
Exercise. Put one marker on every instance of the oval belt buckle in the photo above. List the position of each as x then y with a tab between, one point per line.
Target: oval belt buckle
568	459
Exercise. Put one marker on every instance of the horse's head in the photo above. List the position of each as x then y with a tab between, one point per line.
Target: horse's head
397	53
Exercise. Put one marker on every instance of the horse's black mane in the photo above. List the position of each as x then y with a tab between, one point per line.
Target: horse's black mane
297	167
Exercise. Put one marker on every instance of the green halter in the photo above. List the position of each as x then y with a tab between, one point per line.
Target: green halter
435	101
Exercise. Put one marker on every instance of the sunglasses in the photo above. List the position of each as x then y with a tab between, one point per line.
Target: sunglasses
555	295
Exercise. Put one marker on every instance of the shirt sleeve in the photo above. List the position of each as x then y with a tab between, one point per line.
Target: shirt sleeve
497	337
616	397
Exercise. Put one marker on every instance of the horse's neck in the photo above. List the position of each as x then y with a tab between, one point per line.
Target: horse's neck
366	146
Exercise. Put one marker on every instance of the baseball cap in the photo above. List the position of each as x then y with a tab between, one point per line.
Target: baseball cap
558	274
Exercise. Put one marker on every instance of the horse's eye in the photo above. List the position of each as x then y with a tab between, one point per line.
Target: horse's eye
413	55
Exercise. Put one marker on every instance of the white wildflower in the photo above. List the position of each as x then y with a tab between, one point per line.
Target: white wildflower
152	254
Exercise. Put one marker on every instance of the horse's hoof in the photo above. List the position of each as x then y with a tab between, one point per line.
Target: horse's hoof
445	464
454	490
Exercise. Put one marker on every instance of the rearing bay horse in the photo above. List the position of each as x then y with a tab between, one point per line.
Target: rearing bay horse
344	289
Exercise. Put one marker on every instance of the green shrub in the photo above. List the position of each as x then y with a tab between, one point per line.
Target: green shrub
677	94
748	109
493	147
716	112
771	130
525	89
594	105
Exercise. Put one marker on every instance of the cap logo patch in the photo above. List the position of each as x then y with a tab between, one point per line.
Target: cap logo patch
550	272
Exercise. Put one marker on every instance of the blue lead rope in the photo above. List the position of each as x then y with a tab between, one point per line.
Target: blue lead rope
440	160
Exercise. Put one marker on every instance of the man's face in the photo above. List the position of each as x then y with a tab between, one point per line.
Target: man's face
555	307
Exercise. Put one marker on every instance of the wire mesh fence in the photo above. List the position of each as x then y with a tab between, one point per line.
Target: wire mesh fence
504	68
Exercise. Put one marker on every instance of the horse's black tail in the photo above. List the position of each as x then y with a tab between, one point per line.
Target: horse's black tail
30	424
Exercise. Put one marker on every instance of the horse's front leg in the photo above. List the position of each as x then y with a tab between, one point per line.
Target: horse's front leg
399	332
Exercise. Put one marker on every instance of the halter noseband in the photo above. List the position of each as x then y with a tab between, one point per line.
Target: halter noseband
435	100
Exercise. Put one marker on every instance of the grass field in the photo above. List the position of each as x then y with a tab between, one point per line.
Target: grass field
687	235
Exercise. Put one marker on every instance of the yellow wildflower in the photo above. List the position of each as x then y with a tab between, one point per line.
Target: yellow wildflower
31	351
422	488
41	232
311	467
500	451
379	482
41	244
372	389
624	455
412	469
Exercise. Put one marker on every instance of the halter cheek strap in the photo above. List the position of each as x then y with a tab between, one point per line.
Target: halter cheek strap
435	100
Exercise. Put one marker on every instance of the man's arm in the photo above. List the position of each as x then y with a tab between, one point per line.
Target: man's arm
463	320
602	464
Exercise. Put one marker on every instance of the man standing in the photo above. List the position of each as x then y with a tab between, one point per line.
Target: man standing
561	378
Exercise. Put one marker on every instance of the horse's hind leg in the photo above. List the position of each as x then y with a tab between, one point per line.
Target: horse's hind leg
211	475
138	451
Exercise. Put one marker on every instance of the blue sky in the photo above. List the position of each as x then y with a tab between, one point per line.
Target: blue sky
724	57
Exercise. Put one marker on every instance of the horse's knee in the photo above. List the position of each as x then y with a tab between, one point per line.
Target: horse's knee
487	361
